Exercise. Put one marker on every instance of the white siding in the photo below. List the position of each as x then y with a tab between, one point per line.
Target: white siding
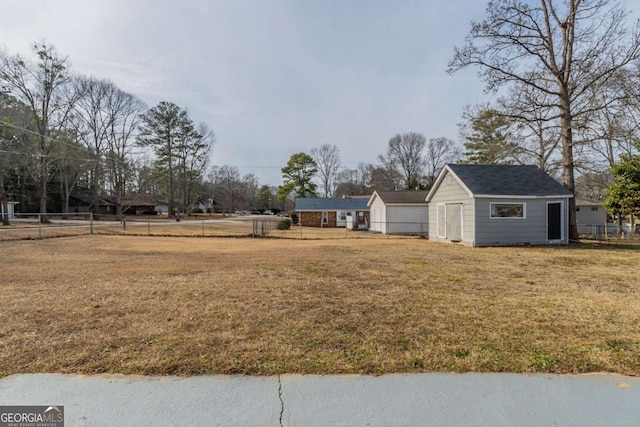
586	218
451	191
11	209
378	216
408	219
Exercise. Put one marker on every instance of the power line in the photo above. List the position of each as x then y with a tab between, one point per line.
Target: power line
57	140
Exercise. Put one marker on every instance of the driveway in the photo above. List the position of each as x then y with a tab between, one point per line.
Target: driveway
309	400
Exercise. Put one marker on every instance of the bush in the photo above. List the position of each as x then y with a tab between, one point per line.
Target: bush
285	224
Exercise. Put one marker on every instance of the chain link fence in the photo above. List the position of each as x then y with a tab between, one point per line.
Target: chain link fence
30	226
401	228
37	226
609	232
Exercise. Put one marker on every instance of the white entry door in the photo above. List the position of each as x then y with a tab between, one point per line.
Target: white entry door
454	222
341	219
450	221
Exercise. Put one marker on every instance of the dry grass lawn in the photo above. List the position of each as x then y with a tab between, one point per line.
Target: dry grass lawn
153	305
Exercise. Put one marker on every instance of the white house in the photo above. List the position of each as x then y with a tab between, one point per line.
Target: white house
11	206
399	212
490	205
589	214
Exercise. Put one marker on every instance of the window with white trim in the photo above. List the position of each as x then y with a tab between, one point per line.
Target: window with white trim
508	210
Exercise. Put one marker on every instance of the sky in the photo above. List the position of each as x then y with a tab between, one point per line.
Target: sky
271	77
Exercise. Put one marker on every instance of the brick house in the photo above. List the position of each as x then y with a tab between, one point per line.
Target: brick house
350	212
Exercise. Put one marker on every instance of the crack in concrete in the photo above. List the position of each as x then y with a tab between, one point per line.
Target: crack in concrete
281	401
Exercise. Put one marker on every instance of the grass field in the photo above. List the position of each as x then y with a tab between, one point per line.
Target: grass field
154	305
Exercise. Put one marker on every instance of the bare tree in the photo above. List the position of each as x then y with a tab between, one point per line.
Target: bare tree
72	162
92	122
193	153
124	112
593	185
535	127
558	48
384	179
43	86
14	121
354	182
226	187
327	158
439	152
405	155
611	131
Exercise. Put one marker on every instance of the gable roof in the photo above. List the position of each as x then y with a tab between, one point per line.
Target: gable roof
332	204
400	197
503	180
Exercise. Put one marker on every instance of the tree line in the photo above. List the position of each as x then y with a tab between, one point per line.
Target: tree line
63	133
410	162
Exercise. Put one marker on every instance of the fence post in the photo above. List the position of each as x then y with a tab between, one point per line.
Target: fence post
148	228
203	227
90	222
39	226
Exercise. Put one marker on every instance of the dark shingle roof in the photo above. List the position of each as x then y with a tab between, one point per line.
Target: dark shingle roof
391	197
508	180
332	204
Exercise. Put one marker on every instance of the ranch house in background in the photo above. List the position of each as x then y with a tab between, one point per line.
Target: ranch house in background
491	205
589	215
84	203
333	212
399	212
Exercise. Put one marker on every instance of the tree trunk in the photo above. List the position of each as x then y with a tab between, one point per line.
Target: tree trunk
118	197
63	185
5	202
67	196
171	207
44	173
619	223
5	211
94	187
568	179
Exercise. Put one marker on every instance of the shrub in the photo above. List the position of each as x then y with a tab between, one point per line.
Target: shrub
284	224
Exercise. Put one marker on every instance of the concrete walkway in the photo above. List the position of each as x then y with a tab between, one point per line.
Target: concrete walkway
309	400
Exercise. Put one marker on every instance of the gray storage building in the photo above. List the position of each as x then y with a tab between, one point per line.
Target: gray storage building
491	205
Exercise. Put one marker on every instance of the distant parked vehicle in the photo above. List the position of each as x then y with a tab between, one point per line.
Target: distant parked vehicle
255	213
268	212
